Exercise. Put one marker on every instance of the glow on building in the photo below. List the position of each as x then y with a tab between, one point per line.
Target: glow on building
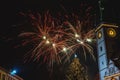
5	75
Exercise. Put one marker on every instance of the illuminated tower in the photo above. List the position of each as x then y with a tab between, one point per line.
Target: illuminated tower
107	35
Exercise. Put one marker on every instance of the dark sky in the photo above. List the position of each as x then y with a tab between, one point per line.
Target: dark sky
11	57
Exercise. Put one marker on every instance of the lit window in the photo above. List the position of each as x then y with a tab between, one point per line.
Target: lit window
99	35
111	32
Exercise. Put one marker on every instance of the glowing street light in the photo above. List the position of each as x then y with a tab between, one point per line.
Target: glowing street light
13	72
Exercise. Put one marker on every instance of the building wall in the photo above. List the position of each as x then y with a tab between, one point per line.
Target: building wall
104	43
4	75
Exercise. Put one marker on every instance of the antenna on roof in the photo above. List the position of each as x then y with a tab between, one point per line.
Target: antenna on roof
101	7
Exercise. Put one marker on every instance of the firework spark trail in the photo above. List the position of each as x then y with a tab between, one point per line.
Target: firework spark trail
78	38
55	42
48	39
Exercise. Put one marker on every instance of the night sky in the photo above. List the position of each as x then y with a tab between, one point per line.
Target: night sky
12	57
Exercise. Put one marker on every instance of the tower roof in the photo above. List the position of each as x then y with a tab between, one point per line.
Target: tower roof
105	25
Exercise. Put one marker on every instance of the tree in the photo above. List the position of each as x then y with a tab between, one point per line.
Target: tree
76	71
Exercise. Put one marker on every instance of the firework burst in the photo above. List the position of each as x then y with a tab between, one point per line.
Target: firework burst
48	39
78	38
55	42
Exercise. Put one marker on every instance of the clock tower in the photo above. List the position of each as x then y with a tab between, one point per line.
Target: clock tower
107	35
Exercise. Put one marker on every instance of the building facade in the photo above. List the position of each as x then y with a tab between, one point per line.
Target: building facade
5	75
107	35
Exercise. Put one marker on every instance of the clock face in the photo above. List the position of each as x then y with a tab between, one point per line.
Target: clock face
99	35
111	32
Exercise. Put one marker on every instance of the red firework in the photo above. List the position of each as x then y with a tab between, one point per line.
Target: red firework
55	42
48	39
79	38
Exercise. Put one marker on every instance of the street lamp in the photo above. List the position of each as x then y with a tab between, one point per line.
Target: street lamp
13	72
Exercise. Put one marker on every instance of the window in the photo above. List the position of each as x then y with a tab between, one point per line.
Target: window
100	48
102	63
0	75
99	35
9	78
3	76
105	73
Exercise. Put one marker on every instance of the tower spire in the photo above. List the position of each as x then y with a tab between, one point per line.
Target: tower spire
101	8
